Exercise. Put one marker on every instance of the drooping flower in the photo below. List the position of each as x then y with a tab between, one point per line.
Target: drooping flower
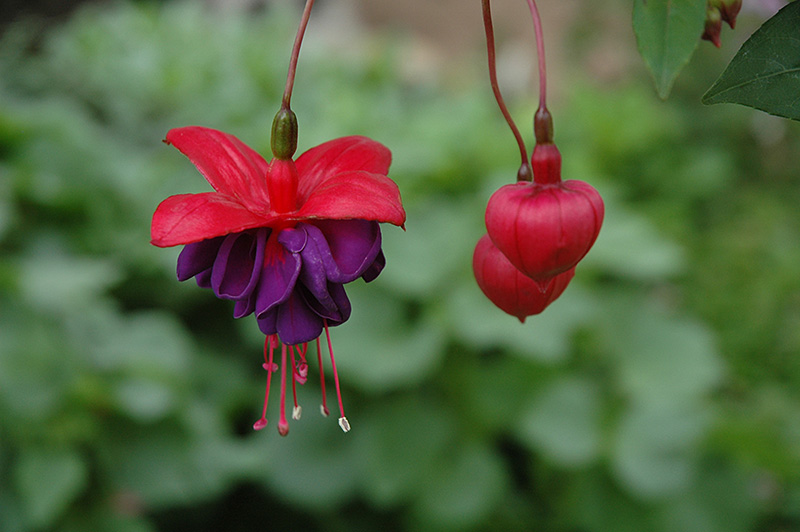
540	227
280	239
546	227
509	289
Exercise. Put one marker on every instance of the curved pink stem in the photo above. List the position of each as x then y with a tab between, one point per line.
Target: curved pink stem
524	173
537	27
298	40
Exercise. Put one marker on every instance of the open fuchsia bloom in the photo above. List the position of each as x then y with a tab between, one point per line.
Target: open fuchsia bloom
281	239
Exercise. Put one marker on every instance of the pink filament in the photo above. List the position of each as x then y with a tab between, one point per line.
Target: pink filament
283	425
335	373
294	374
268	346
324	408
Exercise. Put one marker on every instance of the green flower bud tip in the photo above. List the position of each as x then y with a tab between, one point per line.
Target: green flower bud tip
284	134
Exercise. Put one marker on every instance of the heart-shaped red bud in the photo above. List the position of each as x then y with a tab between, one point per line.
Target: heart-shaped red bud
510	290
544	228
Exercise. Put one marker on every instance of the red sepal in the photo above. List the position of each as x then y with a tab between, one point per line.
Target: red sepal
188	218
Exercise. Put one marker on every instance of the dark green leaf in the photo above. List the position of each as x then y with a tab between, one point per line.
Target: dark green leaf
765	73
667	33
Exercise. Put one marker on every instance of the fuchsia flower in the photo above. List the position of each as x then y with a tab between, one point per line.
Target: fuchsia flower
508	288
546	227
280	239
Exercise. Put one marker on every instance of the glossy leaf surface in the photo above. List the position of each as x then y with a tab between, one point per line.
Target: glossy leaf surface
765	72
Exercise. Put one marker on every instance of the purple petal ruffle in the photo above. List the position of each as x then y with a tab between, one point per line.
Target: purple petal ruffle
292	280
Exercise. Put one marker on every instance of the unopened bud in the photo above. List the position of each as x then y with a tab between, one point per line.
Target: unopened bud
729	10
713	25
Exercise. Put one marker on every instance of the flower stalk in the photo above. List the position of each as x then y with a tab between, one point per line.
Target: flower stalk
283	140
524	173
537	28
298	40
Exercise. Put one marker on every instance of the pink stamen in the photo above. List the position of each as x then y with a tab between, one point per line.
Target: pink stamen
323	408
283	425
301	375
296	410
269	366
343	423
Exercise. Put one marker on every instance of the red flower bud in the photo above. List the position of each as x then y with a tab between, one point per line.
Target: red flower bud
729	10
544	228
513	292
713	26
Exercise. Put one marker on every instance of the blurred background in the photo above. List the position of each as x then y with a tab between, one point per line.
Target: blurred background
660	393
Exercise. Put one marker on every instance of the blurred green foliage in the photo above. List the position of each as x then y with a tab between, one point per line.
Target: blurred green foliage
661	392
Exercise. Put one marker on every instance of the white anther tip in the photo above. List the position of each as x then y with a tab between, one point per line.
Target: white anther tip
297	412
344	424
323	411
